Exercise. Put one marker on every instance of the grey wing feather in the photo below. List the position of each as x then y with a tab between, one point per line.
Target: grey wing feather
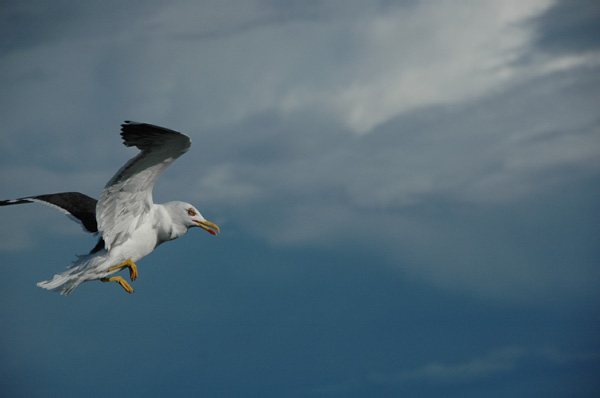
127	197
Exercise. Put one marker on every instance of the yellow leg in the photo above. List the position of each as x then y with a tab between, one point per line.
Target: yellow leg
133	274
120	281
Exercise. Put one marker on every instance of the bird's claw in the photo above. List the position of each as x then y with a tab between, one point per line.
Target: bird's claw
120	281
133	274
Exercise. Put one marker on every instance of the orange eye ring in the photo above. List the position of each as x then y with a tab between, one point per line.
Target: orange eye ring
191	212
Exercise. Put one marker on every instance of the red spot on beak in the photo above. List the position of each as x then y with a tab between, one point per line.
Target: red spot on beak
207	225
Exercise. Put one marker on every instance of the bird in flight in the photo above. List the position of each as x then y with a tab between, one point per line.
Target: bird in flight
129	223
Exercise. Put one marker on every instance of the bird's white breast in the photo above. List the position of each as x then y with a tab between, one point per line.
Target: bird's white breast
141	243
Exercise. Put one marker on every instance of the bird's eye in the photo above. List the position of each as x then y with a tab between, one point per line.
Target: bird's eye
191	212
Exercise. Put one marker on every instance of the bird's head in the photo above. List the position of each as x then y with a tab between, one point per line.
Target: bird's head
191	217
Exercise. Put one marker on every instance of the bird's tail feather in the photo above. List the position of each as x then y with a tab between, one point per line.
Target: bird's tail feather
64	283
82	270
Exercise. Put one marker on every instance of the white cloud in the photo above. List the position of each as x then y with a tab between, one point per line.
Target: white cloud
428	54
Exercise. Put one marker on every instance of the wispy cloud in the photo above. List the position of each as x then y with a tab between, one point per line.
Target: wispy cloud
502	363
494	363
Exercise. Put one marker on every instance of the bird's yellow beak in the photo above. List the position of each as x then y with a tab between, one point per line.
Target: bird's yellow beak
208	226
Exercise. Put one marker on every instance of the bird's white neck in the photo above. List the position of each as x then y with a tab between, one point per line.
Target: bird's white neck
168	225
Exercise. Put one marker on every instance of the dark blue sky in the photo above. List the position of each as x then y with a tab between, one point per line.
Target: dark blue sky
407	191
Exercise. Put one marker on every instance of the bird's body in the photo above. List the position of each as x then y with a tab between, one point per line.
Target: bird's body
130	224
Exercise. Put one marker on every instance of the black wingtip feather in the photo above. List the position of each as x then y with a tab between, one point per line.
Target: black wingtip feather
80	206
145	136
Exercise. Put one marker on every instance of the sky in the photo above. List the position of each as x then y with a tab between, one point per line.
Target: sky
407	192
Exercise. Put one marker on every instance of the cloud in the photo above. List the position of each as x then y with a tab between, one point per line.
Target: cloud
500	363
428	56
363	66
395	128
568	27
468	197
406	153
493	364
513	145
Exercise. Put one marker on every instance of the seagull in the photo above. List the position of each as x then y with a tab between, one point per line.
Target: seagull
129	223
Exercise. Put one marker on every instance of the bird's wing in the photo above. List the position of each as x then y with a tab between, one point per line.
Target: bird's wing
127	197
77	206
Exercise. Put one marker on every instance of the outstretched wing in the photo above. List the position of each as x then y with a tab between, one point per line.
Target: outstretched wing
127	197
77	206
